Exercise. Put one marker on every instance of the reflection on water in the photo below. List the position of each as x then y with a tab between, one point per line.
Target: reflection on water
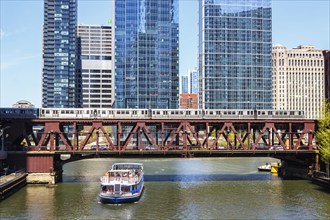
211	188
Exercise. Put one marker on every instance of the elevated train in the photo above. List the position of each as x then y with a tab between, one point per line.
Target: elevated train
88	113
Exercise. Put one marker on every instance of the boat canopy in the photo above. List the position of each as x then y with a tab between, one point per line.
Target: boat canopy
126	166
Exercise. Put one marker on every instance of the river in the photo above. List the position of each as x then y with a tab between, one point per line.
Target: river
197	188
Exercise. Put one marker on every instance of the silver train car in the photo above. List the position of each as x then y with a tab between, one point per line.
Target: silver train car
168	114
91	113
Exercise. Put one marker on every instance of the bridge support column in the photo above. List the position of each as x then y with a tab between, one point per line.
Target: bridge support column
43	168
299	166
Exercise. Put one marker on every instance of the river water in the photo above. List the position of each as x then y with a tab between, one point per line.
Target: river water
198	188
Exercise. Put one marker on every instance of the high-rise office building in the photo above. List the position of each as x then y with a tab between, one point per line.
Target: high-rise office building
326	55
298	79
146	53
235	52
60	82
95	65
193	81
184	84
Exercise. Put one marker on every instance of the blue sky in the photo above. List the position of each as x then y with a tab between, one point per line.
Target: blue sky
294	23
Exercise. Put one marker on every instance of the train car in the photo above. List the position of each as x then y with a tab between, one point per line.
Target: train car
88	113
16	113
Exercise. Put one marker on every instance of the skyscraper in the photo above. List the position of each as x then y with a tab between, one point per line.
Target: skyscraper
95	64
146	53
59	80
235	48
184	84
298	79
193	81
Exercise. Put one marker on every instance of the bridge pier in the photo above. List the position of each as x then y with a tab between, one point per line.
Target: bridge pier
43	169
296	167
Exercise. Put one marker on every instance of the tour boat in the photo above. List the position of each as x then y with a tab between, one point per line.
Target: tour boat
124	183
266	167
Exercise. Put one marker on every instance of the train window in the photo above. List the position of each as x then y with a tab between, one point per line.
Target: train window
165	112
71	112
181	112
158	112
225	112
291	112
176	112
188	112
103	112
62	112
118	112
211	112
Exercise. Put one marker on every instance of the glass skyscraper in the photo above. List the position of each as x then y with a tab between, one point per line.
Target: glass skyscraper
60	85
235	54
146	53
184	84
193	81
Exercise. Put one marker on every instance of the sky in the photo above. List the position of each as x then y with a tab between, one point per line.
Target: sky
295	22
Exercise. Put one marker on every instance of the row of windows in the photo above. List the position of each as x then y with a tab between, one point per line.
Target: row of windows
94	71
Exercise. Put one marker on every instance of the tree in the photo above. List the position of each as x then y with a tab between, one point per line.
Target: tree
323	133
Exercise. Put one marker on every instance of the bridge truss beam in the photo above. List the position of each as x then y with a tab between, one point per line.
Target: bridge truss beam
122	135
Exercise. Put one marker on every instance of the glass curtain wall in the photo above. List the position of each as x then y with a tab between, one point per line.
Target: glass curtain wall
235	47
60	82
146	53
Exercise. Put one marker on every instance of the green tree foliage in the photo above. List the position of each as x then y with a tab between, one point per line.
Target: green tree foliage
323	132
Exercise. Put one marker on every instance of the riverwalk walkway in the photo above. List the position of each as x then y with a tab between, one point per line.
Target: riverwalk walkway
322	179
11	183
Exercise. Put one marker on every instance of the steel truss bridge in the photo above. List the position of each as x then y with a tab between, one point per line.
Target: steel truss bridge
44	135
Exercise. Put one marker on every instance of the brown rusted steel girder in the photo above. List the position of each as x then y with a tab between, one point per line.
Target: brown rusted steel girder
173	132
309	129
269	126
139	128
52	128
96	125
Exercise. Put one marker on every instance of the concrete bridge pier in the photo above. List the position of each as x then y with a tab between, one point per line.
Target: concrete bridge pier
43	169
302	168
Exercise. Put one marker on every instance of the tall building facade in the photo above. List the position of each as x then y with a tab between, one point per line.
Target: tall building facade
326	55
146	53
235	49
193	81
184	84
298	79
95	65
60	82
